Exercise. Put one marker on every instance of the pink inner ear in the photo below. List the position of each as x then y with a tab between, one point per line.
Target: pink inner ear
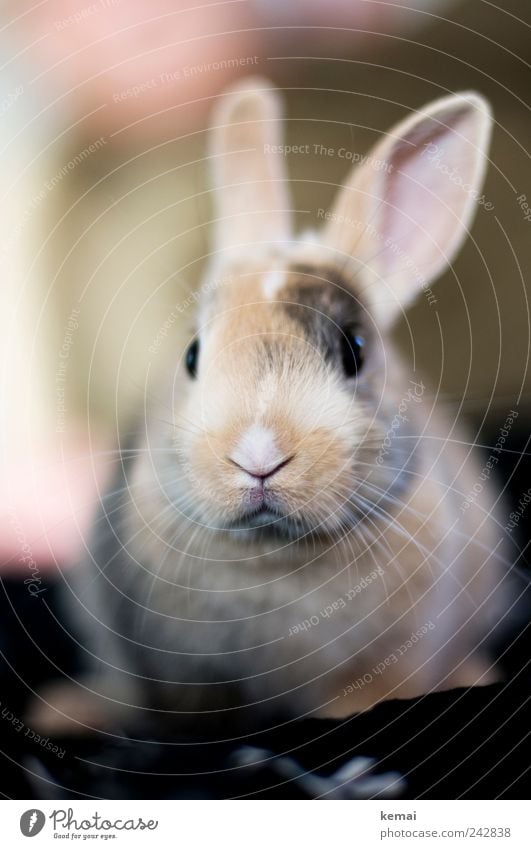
426	193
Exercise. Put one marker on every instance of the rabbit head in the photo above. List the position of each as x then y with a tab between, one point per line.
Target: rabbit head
286	389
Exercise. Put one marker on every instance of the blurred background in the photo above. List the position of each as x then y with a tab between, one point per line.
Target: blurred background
105	213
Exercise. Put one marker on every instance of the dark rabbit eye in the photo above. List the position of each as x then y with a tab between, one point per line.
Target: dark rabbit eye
351	352
191	358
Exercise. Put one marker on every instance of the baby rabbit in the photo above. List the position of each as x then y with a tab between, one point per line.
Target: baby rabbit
285	537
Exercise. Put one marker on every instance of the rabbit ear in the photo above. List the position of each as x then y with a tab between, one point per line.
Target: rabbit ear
405	212
251	197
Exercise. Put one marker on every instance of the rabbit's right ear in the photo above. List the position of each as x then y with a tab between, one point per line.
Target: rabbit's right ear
251	197
406	210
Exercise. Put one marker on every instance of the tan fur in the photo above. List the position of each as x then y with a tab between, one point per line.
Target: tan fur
236	613
276	584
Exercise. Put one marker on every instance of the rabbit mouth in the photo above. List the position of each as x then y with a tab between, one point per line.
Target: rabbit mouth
265	518
271	520
265	514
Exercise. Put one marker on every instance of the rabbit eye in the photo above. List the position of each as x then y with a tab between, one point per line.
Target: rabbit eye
351	352
192	355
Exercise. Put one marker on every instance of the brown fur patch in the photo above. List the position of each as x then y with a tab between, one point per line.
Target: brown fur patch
323	304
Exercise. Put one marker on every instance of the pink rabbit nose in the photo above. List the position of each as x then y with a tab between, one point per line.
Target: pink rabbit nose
257	454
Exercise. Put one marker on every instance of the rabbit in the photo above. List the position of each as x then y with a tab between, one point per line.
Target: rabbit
285	537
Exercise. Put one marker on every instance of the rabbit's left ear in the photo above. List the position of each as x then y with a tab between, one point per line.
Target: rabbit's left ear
405	211
251	197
